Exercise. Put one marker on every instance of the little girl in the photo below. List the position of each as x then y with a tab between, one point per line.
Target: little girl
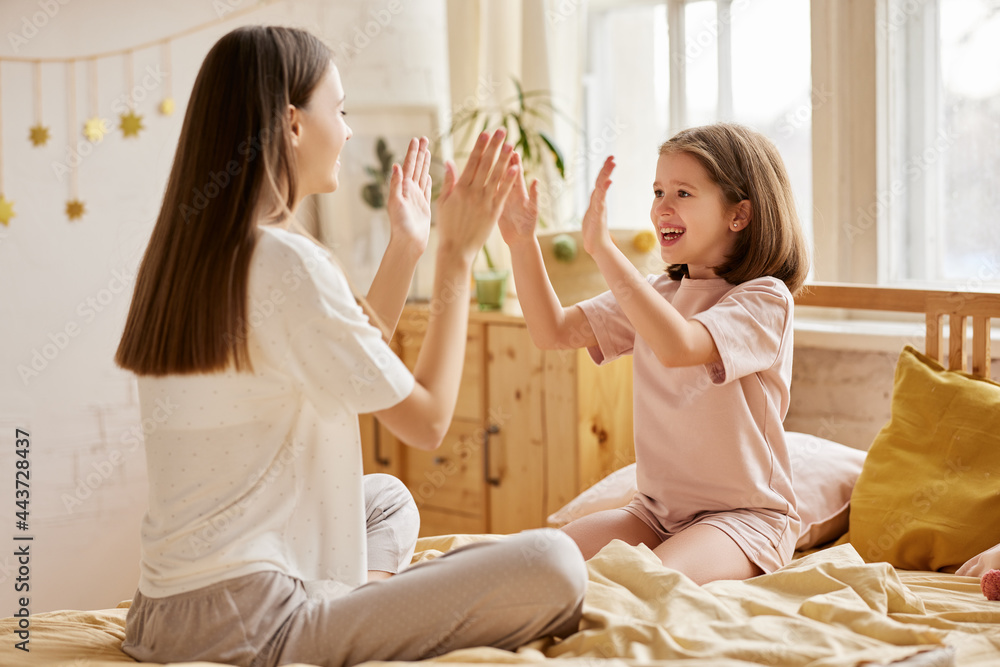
712	346
251	350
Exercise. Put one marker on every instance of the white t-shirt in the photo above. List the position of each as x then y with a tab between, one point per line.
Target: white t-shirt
262	471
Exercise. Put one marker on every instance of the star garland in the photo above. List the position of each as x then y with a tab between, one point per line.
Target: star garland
130	123
167	104
6	211
6	205
39	134
74	207
94	127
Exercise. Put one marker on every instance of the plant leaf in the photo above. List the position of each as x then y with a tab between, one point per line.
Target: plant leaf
560	164
520	92
489	259
382	150
523	140
372	194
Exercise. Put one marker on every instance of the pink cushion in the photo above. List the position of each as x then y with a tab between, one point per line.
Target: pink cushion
823	476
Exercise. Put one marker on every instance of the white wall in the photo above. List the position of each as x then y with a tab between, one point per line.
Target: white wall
845	395
62	276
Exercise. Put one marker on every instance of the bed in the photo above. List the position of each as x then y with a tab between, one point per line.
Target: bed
883	593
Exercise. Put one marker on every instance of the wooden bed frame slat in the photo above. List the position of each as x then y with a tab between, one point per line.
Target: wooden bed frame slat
932	341
981	346
956	343
934	304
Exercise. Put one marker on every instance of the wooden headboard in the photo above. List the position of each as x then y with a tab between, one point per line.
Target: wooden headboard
934	304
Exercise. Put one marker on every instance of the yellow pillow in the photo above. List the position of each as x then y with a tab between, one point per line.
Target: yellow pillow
928	497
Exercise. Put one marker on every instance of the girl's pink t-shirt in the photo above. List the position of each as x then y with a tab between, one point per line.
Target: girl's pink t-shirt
709	438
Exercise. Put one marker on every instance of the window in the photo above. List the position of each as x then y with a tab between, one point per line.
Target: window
887	113
941	199
657	67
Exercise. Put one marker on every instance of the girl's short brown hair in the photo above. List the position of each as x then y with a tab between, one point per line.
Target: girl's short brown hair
747	166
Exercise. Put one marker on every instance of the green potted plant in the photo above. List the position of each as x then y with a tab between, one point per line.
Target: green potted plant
375	192
522	117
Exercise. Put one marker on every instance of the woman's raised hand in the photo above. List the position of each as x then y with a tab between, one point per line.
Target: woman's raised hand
520	213
594	227
409	203
470	204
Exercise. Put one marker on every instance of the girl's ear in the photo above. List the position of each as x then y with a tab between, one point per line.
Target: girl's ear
741	215
294	122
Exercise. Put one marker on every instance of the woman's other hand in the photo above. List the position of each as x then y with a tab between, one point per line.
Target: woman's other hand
409	203
520	213
470	204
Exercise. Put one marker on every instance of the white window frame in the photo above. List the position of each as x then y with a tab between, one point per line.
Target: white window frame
915	96
854	203
676	59
848	62
678	102
852	153
845	126
678	74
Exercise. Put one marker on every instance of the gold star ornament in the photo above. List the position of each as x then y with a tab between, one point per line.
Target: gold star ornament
95	128
131	124
167	106
39	135
6	210
74	209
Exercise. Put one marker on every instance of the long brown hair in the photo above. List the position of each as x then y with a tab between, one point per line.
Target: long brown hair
746	165
234	168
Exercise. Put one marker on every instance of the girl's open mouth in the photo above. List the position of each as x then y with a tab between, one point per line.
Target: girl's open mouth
669	235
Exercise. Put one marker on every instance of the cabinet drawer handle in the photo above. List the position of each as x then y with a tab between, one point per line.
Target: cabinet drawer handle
379	459
492	429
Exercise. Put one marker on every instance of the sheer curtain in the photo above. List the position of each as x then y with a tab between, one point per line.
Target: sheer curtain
539	42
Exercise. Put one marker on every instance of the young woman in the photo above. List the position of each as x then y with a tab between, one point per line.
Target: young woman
261	530
712	341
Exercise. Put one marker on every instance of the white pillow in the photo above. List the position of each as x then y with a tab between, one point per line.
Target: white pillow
823	476
980	564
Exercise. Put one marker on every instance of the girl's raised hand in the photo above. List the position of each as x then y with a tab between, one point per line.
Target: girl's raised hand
409	203
470	204
595	220
520	213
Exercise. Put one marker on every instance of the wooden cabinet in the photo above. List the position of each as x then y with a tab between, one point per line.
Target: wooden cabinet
532	429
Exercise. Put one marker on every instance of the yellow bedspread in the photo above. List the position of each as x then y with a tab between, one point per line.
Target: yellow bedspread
826	609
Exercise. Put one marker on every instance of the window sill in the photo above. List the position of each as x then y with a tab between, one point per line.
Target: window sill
858	335
868	335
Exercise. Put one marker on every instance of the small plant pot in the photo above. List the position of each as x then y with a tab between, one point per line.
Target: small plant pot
491	288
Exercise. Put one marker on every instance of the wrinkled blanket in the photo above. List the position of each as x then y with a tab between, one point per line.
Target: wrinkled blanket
826	609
